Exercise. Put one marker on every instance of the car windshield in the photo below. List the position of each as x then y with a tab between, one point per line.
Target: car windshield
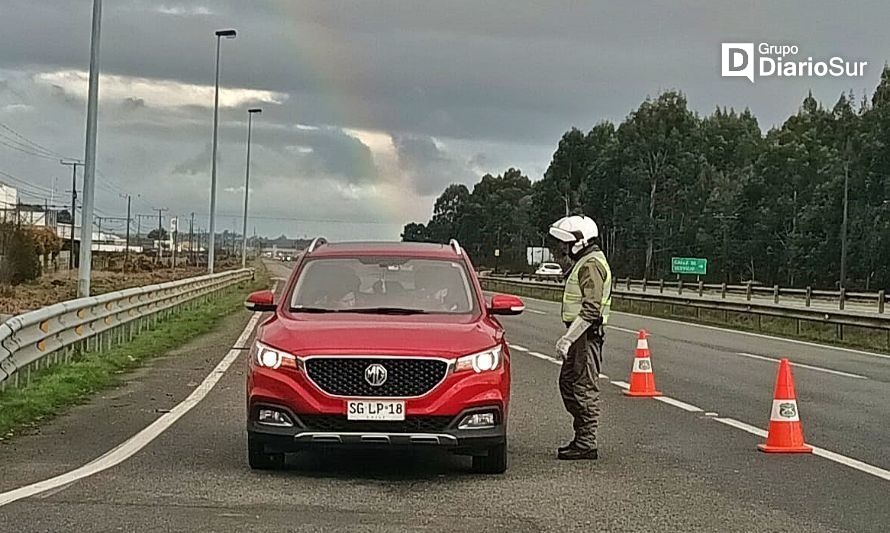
383	285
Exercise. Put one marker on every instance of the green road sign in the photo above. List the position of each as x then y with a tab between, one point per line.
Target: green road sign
689	265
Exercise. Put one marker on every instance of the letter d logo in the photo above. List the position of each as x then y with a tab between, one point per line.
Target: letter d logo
738	60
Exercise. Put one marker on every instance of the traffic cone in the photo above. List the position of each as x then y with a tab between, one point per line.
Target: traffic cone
785	431
642	379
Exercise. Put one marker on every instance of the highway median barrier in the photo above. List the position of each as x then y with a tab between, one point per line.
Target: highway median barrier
801	313
59	333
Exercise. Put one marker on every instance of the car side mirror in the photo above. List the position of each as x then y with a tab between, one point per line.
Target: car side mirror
505	304
261	301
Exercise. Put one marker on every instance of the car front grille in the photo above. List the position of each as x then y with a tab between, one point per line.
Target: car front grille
405	377
415	424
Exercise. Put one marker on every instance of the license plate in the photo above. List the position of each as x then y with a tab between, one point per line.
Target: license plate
375	410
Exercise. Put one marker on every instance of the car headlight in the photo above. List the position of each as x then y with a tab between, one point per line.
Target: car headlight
269	357
480	362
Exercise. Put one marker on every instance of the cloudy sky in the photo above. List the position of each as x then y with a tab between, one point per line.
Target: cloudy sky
372	107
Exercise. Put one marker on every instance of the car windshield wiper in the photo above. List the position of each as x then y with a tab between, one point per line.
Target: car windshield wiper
387	311
305	309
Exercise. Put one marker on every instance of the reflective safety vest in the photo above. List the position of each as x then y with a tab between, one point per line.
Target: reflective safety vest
572	295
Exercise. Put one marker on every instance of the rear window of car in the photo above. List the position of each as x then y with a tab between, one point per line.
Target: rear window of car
362	283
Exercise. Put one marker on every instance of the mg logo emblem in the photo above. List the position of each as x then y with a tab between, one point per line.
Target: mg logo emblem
375	375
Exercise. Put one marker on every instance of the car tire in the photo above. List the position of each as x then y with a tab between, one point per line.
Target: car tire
258	459
494	462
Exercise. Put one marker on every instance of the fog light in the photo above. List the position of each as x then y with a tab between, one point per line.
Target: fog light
273	417
477	421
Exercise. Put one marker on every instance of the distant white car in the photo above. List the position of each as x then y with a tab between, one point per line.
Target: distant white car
549	269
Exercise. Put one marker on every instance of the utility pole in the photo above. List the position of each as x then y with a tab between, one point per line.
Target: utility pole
73	165
127	249
192	242
89	174
160	230
843	283
174	229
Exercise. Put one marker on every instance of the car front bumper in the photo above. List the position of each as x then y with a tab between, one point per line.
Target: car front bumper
307	434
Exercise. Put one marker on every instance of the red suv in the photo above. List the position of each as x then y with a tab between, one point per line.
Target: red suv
380	344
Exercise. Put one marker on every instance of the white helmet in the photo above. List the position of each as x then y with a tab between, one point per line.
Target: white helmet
577	230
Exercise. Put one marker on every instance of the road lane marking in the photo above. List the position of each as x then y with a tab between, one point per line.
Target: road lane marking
757	335
852	463
140	440
530	310
545	357
625	330
677	403
738	332
821	452
518	348
801	365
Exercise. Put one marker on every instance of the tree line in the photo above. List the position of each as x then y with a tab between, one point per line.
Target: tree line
666	182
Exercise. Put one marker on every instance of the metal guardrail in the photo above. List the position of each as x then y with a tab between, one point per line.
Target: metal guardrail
839	317
840	298
51	334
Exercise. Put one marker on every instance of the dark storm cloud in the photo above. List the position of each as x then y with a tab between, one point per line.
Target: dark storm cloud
496	83
429	168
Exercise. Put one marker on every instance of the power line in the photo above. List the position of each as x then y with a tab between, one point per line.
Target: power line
26	184
25	150
35	144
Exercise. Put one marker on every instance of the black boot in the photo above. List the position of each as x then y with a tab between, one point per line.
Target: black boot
577	454
567	447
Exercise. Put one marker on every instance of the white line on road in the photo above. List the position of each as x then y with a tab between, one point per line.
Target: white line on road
530	310
625	330
821	452
738	332
677	403
545	357
518	348
801	365
140	440
743	426
757	335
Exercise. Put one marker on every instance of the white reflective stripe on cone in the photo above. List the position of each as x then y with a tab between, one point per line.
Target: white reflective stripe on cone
784	411
642	344
642	365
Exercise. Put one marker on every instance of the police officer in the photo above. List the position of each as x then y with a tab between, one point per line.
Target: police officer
585	310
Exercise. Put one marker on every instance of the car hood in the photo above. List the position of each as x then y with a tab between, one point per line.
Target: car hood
437	335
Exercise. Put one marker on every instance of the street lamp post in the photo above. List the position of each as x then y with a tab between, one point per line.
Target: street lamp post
250	114
228	34
89	169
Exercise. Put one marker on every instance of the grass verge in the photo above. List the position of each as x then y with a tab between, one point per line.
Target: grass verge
54	389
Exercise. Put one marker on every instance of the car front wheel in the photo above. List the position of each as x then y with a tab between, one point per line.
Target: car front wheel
495	462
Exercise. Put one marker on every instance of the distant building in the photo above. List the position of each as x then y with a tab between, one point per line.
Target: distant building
9	198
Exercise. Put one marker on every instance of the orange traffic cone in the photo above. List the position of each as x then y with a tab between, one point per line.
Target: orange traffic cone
785	431
642	379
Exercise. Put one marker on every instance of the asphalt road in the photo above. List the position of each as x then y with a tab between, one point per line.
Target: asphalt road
662	468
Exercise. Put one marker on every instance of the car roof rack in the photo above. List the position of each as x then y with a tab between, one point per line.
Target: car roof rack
456	245
316	243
